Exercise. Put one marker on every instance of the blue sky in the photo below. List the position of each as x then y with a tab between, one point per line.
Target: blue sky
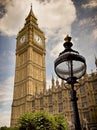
56	19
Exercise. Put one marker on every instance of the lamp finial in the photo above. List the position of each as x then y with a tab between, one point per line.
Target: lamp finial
67	38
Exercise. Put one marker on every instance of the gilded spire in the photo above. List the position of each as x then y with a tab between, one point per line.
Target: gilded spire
31	12
57	82
31	8
52	77
53	81
31	17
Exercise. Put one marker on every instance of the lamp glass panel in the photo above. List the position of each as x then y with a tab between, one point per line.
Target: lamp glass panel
64	69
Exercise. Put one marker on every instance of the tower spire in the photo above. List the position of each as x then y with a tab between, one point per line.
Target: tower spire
31	17
31	12
53	82
31	8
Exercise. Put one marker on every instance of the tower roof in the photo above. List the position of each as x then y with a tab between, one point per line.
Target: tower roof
31	12
31	16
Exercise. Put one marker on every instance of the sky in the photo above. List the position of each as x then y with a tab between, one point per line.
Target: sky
56	18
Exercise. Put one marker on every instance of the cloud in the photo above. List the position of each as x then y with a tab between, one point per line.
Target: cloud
2	10
6	89
48	83
56	19
84	21
7	64
12	19
51	17
56	50
89	21
91	4
5	120
57	15
94	33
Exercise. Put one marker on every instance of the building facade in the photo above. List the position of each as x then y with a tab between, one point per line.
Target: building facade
30	93
56	100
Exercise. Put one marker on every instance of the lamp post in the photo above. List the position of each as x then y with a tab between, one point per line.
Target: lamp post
71	66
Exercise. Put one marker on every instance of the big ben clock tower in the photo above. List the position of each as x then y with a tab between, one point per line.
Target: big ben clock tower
30	71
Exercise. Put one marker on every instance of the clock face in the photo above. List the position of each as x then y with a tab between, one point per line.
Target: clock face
22	39
38	39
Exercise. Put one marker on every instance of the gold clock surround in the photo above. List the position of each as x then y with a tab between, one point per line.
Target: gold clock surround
22	39
38	39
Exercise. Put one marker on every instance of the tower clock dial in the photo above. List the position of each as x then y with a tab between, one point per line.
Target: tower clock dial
38	39
22	39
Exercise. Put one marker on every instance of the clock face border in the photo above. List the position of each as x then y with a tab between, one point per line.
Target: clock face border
38	39
22	39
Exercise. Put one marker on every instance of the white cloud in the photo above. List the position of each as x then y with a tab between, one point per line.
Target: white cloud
52	16
90	21
56	17
5	118
83	22
56	50
7	60
94	33
91	4
48	83
6	94
6	89
14	18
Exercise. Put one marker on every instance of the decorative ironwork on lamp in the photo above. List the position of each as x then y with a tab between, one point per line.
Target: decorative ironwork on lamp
71	66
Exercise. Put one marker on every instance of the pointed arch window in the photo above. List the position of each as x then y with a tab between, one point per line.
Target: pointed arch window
41	102
50	99
33	103
60	95
82	89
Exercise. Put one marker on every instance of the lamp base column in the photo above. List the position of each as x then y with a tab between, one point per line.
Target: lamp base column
75	109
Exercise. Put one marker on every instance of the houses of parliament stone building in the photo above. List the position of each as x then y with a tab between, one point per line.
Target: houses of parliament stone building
30	93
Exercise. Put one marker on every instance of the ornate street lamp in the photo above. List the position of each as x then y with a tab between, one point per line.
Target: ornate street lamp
71	66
